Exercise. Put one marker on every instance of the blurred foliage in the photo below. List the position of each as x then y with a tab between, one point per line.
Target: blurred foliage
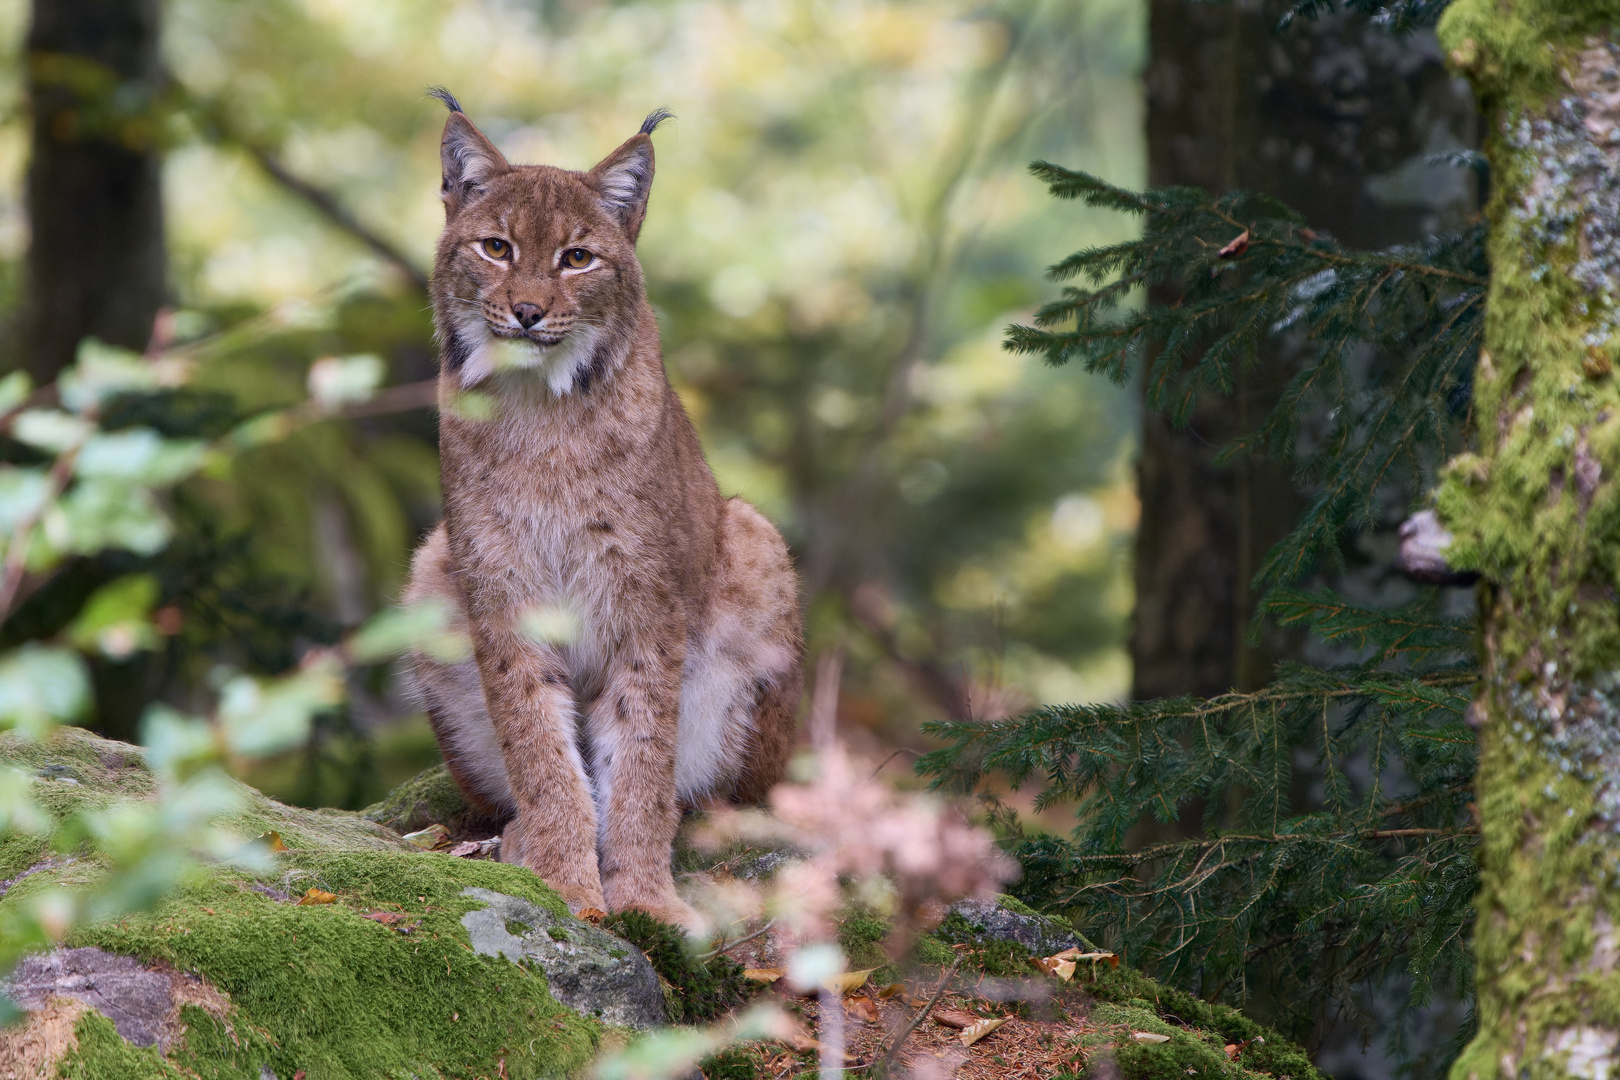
840	225
85	491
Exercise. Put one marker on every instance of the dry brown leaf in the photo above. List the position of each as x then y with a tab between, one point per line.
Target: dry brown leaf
891	991
1231	1051
465	849
316	896
764	975
954	1018
862	1007
848	981
271	841
979	1030
433	836
1055	965
1149	1037
1239	244
387	918
592	915
1099	958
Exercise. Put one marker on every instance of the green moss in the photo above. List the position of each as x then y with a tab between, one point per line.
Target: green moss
930	950
1503	47
1015	905
320	987
1537	511
102	1054
987	955
341	996
432	797
860	935
701	990
731	1064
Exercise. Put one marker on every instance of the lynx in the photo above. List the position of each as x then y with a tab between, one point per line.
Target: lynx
582	501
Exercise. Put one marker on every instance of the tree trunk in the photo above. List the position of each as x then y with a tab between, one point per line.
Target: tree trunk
96	263
1537	511
1329	117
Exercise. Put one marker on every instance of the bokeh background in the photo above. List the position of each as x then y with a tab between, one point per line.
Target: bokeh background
841	228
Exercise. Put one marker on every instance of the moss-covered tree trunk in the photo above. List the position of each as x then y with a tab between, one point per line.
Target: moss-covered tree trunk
1536	511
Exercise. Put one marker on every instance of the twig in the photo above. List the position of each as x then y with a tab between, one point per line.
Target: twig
894	1047
712	953
16	562
335	212
891	757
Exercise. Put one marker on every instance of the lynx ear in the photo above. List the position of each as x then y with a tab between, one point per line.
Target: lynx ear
623	179
469	161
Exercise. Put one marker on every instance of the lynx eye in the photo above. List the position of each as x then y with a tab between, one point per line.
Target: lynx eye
496	248
577	258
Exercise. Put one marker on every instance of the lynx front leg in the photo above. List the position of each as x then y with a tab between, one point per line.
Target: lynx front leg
532	709
632	729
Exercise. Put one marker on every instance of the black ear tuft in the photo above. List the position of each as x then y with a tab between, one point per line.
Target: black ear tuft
654	118
447	97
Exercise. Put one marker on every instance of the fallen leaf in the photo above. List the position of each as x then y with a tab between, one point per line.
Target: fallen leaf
848	981
210	910
316	896
954	1018
1055	965
270	841
974	1033
764	975
891	991
465	849
592	915
431	837
1149	1037
1231	1051
387	918
1099	958
1238	245
863	1007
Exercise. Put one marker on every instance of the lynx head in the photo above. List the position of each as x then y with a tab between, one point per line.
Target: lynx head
536	268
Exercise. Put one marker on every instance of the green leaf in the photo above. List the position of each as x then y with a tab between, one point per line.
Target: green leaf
336	381
14	390
260	718
51	429
140	455
102	372
97	514
422	627
22	495
116	620
41	687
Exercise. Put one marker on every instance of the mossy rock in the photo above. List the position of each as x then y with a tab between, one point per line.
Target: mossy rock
258	985
432	797
1120	1002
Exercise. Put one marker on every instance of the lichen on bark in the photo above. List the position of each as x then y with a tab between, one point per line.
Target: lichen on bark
1535	511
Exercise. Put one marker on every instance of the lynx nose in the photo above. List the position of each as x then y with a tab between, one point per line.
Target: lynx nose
528	314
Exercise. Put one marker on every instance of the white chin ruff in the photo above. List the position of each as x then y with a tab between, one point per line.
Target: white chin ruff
558	365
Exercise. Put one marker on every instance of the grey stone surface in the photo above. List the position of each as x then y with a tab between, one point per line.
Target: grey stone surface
136	1000
1040	934
589	970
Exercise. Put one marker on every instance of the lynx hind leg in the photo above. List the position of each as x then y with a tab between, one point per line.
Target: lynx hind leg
740	689
452	694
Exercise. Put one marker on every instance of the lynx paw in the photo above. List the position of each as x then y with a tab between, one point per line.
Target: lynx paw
577	884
